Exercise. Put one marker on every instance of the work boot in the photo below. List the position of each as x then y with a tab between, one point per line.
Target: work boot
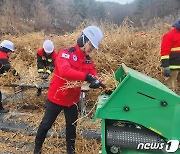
71	152
2	110
37	150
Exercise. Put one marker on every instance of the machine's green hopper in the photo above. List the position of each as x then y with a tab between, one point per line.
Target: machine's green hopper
140	110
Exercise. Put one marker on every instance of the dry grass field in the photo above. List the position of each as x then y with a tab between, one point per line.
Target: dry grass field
137	48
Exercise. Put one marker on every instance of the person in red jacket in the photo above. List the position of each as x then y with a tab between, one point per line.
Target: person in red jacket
170	56
45	61
6	47
71	64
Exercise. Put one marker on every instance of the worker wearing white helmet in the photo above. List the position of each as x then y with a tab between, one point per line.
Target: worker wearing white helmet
45	60
94	35
6	47
48	46
72	64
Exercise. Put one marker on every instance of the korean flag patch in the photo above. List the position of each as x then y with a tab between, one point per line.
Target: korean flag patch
64	55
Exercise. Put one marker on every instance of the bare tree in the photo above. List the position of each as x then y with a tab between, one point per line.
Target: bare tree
42	17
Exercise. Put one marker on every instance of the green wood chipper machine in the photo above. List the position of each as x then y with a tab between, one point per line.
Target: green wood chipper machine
141	116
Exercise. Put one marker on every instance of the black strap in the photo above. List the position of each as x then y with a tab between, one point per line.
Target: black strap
72	49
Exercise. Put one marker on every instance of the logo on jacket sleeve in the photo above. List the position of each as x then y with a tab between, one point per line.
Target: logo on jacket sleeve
74	57
64	55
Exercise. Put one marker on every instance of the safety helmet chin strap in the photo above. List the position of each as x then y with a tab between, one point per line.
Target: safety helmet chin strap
84	42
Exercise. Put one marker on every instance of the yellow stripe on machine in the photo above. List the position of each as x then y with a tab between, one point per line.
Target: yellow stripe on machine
156	131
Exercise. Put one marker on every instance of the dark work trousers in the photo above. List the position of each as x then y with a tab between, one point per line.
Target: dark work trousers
51	113
1	106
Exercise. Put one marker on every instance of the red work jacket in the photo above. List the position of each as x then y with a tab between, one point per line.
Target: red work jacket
45	60
3	55
42	53
4	62
70	65
170	49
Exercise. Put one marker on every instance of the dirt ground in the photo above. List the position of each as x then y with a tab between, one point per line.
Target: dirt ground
19	139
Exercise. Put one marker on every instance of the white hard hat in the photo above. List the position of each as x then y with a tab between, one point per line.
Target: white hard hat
7	44
48	46
94	34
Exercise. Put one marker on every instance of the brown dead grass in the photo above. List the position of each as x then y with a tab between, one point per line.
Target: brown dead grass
138	49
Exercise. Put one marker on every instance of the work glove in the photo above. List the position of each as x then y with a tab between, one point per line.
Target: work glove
46	75
94	83
89	78
167	72
41	74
